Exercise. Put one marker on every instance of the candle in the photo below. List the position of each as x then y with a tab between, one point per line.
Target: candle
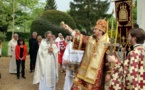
120	35
112	29
107	27
107	31
116	34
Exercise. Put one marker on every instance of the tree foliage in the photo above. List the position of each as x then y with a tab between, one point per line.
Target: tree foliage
135	11
50	4
2	36
25	12
86	12
50	21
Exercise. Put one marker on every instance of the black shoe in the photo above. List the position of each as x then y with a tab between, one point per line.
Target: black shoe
24	77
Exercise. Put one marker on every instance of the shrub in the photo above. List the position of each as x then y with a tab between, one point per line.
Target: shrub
50	21
2	36
25	35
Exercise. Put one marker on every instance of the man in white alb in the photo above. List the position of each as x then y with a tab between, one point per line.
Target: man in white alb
11	53
69	56
46	69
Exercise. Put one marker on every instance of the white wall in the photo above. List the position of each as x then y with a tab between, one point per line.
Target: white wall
141	13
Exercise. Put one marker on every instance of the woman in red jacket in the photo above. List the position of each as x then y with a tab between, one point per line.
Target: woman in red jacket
21	52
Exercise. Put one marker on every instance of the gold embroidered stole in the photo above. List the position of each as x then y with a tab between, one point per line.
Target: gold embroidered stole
77	42
92	59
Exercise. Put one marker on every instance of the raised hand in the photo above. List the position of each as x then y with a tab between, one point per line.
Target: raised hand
66	27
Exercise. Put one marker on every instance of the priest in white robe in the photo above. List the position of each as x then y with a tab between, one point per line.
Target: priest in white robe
70	55
11	53
46	70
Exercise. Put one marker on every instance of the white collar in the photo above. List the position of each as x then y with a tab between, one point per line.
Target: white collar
136	45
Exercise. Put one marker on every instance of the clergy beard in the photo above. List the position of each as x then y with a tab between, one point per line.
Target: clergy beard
94	36
48	40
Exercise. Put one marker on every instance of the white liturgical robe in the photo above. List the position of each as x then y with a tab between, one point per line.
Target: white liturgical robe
72	56
46	70
11	52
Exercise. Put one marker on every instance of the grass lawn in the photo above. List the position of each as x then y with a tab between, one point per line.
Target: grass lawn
5	48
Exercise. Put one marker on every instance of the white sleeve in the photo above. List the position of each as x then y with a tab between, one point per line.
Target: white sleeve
66	53
9	48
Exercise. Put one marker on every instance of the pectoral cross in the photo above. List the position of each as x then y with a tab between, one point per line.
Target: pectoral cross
111	46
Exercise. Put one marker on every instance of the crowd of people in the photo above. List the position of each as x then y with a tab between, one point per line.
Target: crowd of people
17	51
90	53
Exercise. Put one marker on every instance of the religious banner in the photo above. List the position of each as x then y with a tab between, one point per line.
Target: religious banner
123	10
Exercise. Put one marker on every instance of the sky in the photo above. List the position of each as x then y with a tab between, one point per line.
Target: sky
63	5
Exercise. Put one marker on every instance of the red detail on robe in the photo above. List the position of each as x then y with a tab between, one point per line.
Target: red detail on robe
130	75
61	44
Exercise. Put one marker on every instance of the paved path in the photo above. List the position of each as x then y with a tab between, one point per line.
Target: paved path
9	81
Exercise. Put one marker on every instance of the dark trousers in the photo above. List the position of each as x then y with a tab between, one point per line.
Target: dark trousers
34	61
22	63
31	62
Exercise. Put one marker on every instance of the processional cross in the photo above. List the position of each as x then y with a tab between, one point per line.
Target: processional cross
111	46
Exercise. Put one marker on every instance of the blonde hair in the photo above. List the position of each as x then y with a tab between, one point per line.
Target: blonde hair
77	31
39	37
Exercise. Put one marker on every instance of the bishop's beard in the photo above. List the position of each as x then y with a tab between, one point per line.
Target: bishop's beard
94	36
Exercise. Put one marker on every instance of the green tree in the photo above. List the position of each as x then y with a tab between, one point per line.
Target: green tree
135	11
25	12
49	22
50	4
86	12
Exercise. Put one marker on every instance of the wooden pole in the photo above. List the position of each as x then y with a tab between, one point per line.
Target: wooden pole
13	23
